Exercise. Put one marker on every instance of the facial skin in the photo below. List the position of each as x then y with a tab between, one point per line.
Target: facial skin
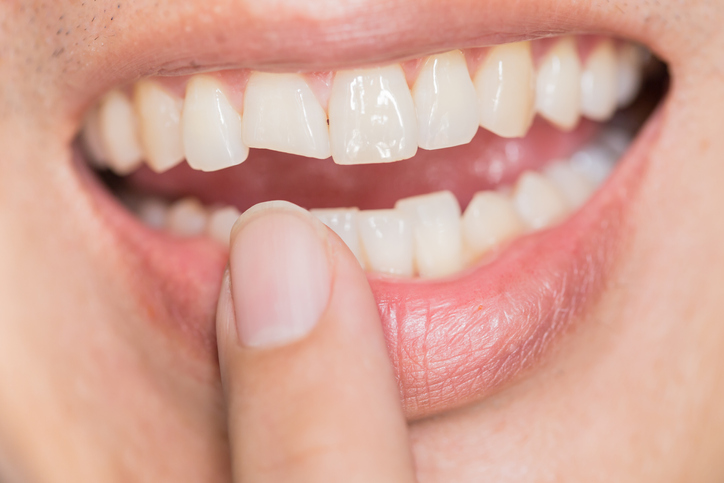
95	388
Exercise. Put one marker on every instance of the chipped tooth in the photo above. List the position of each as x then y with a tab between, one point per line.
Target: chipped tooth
537	200
211	127
598	83
159	118
558	86
444	99
281	113
435	219
371	116
575	187
343	221
489	220
118	127
220	223
505	86
629	73
93	141
187	218
153	212
386	239
594	162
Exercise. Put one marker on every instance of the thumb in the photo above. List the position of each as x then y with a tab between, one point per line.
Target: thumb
310	391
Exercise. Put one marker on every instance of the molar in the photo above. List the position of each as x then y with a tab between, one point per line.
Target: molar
489	220
598	83
343	221
537	200
119	132
187	218
220	223
281	113
574	187
386	238
92	139
558	86
159	116
372	116
629	73
445	102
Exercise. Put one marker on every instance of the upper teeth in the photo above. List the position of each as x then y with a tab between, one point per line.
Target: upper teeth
372	114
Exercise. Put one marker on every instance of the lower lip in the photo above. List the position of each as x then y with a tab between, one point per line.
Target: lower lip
451	341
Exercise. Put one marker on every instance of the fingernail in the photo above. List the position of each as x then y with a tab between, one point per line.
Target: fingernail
280	276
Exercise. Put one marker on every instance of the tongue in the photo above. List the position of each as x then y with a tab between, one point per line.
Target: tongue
487	162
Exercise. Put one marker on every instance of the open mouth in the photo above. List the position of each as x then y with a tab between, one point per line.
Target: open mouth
480	188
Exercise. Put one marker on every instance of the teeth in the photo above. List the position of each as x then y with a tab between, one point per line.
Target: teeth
537	200
445	102
629	74
372	117
574	187
435	222
505	85
211	127
343	221
282	113
153	212
119	133
93	140
595	163
386	237
187	218
220	223
489	220
558	87
598	83
159	116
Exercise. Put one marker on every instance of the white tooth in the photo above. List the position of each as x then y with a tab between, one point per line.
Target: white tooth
489	220
505	86
343	221
435	221
629	73
537	200
153	212
371	116
159	118
615	139
220	223
445	102
386	238
595	163
575	187
119	132
211	127
281	113
187	218
93	141
558	86
598	83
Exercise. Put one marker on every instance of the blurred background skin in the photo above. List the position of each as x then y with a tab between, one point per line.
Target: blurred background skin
92	390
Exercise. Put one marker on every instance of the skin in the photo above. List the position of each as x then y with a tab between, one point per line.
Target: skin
94	390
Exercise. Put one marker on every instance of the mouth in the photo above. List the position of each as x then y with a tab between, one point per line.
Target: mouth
483	189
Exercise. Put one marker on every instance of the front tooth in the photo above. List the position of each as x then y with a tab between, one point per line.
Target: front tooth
92	139
159	116
119	132
575	187
537	200
598	83
505	86
595	163
343	221
187	218
629	74
445	102
558	86
281	113
220	223
211	127
489	220
435	221
386	238
371	116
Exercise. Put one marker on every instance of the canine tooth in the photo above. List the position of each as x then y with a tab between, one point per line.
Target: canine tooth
505	86
211	127
435	222
537	200
187	217
92	139
489	220
558	86
598	83
220	223
445	102
119	132
629	73
371	116
343	221
594	162
386	239
281	113
159	117
575	187
153	212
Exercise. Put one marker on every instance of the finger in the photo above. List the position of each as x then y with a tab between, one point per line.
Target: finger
310	390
